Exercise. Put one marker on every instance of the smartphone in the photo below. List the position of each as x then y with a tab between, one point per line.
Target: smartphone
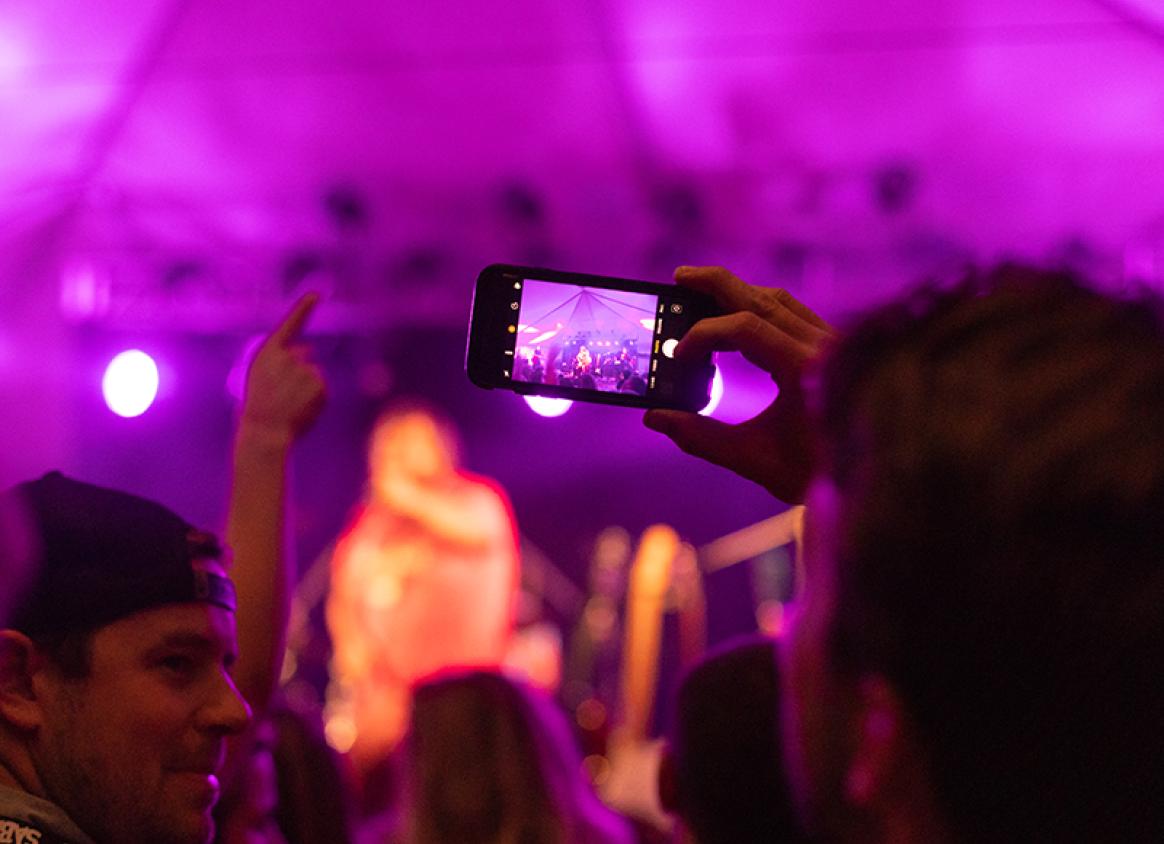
586	337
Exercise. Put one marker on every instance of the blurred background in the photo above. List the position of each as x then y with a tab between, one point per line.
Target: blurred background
174	172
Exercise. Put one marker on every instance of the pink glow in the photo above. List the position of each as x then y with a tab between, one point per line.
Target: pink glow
12	58
236	379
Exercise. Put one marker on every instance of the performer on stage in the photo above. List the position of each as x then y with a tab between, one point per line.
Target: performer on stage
424	578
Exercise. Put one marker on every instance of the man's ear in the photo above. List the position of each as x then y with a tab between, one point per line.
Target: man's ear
668	787
881	749
20	662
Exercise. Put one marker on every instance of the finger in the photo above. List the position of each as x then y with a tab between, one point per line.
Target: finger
800	309
289	329
759	341
701	436
775	304
725	287
301	353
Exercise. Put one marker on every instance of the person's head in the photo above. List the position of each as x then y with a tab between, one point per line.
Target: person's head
721	774
290	788
980	643
489	760
413	440
18	552
246	814
115	691
314	803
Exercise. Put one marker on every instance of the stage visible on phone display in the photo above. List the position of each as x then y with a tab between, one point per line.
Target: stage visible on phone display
584	337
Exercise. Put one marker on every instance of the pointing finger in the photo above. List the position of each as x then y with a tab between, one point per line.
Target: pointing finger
289	329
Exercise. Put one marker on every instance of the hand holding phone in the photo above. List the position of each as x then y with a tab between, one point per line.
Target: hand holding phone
777	333
588	338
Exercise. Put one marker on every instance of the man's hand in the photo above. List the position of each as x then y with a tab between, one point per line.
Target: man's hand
780	335
285	392
285	389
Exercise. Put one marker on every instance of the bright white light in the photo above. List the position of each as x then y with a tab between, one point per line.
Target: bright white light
648	324
548	407
716	394
669	347
130	384
543	337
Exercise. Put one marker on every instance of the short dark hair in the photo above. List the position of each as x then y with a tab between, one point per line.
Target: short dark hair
999	453
730	787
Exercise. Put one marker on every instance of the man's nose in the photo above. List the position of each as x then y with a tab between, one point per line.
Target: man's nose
227	713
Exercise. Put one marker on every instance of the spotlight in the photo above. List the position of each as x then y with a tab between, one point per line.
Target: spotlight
130	384
716	394
548	407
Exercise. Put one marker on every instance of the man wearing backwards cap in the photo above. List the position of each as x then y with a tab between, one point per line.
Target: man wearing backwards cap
116	698
116	689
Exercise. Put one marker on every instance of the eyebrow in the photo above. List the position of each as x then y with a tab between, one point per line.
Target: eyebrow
193	641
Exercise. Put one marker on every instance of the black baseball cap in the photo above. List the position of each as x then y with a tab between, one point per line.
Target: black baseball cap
105	554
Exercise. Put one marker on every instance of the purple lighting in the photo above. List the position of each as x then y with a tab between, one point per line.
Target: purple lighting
548	407
130	384
12	58
236	379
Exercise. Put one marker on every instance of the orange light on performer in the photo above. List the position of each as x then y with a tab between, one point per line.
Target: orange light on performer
425	578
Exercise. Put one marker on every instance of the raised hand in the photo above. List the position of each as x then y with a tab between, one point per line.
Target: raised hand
780	335
285	388
285	392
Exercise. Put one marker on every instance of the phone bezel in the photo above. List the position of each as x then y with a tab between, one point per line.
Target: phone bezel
491	314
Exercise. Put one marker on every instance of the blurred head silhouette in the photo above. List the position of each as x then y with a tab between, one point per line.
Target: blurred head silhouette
491	761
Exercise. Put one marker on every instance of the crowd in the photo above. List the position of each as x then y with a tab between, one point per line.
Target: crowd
974	657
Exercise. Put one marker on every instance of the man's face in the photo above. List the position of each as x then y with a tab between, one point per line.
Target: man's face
816	704
412	446
132	751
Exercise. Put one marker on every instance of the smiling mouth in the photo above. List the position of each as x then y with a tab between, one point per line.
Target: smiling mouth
204	786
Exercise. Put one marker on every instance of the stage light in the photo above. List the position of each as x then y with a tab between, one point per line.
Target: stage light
548	407
716	394
130	384
541	338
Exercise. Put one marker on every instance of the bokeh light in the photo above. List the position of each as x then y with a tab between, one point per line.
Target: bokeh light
548	407
716	393
130	384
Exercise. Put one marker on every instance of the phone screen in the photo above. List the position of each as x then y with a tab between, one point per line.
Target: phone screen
587	338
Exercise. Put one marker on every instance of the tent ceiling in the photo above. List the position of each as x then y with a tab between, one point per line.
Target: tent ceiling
212	157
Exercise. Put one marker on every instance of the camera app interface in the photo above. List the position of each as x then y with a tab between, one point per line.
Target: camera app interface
590	338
